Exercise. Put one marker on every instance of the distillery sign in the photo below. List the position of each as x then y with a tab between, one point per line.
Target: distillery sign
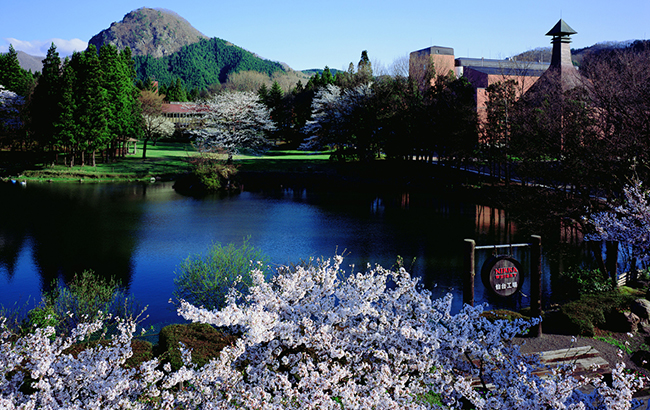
502	275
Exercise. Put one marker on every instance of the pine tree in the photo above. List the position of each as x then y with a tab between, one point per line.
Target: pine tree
133	124
92	107
65	126
263	92
44	106
327	77
364	69
122	114
12	76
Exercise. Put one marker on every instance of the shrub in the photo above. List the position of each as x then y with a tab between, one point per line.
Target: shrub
204	280
42	316
85	297
576	282
210	173
583	316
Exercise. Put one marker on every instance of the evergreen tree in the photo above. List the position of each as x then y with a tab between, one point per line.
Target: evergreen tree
118	81
263	92
44	106
364	69
133	122
327	77
65	126
93	111
176	91
12	76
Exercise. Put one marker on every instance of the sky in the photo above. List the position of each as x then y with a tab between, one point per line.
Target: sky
314	34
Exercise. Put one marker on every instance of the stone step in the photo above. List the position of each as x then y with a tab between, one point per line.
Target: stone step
587	360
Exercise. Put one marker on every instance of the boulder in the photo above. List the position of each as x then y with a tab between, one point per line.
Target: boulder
641	308
622	322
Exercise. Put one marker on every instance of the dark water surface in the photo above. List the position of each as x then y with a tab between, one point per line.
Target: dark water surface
141	233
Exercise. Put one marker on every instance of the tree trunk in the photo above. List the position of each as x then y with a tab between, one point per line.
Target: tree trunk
596	248
144	148
612	260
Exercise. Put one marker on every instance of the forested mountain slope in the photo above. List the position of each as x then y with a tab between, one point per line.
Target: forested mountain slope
202	64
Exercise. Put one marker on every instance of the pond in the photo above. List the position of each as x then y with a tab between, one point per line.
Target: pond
140	233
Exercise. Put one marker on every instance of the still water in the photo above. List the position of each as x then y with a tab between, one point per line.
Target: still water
140	233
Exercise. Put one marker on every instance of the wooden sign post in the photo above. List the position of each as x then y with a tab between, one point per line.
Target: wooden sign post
502	275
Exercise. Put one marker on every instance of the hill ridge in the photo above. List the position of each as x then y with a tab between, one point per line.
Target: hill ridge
148	31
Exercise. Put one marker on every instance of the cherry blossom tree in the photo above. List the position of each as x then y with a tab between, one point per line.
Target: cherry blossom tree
627	223
234	122
10	105
311	338
343	119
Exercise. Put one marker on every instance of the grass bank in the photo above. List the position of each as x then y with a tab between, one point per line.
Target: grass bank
165	160
278	167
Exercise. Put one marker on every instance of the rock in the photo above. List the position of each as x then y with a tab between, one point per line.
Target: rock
622	322
641	308
632	321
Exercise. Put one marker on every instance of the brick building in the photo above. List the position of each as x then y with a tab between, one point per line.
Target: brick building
483	72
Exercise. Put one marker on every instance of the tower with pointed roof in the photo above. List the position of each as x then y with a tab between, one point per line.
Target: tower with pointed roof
561	65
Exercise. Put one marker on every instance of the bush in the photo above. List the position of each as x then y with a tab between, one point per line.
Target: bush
212	173
42	316
204	280
86	295
583	316
576	282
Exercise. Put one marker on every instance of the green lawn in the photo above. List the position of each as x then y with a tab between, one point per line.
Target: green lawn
165	159
169	159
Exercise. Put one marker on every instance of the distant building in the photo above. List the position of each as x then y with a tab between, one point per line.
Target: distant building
182	114
483	72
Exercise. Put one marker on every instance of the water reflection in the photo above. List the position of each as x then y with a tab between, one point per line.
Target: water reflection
140	233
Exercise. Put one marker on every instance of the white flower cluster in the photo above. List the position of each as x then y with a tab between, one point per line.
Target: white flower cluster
10	104
312	338
333	115
233	121
628	223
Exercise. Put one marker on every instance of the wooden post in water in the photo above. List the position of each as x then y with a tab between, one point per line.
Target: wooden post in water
468	280
536	281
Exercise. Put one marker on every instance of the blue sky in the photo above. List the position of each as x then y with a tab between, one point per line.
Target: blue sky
306	34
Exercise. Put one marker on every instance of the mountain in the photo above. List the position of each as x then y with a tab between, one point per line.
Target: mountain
152	32
29	62
543	54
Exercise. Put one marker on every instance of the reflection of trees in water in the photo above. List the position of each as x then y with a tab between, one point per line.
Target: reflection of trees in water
75	228
12	228
494	223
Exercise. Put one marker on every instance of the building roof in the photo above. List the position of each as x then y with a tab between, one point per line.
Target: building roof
561	29
513	67
178	108
447	51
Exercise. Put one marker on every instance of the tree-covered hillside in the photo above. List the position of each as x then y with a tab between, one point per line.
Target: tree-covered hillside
202	64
